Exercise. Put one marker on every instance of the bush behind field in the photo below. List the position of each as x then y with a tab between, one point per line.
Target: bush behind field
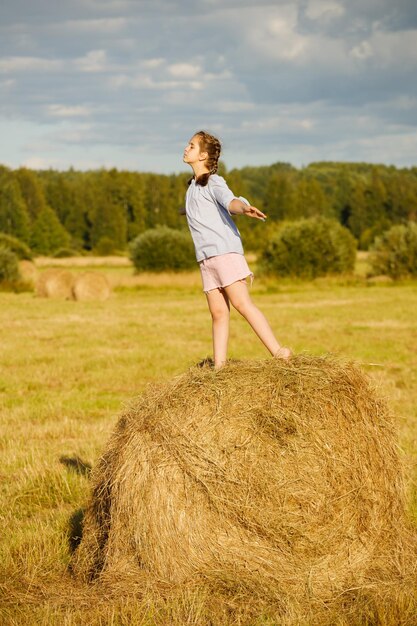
394	253
9	266
162	248
309	248
19	248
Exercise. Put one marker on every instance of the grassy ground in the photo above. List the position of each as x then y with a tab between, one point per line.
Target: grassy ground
67	368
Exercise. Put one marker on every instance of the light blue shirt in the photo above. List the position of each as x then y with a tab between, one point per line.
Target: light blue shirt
211	226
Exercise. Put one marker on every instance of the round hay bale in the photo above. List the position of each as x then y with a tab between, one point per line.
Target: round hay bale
267	479
381	279
55	283
91	286
28	271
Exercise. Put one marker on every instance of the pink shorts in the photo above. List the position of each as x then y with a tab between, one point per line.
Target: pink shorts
223	270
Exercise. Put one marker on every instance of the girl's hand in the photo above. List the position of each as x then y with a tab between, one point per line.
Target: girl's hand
241	206
252	211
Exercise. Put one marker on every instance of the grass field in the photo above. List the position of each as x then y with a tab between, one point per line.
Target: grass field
68	368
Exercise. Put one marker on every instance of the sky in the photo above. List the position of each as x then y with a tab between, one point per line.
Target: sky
126	83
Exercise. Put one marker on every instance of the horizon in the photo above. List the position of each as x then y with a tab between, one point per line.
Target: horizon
227	169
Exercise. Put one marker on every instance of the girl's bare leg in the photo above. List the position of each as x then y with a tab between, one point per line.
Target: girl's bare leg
219	306
239	297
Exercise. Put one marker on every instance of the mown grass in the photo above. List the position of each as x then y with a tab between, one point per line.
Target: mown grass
67	369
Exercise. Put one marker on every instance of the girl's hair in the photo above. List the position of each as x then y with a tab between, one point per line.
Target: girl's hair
213	147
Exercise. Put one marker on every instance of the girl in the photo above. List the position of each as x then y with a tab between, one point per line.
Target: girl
218	246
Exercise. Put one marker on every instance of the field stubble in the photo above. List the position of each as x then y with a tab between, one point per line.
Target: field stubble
68	368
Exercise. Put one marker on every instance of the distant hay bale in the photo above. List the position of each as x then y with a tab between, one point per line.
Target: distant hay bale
91	286
28	271
270	480
382	279
55	283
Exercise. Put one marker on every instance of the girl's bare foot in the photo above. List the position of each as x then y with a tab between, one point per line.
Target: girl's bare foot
283	353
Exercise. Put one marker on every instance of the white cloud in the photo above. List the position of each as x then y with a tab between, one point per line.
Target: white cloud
287	42
73	134
102	25
395	49
324	10
24	64
93	61
184	70
230	106
152	63
63	111
272	32
405	103
38	163
288	121
148	82
9	83
306	124
362	51
390	148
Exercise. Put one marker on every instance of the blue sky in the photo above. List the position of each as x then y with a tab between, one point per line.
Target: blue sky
123	83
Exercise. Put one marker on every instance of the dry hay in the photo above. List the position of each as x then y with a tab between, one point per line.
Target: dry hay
275	483
28	271
91	286
55	283
84	261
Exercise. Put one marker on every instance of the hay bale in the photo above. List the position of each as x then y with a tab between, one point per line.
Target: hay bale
55	283
28	271
268	479
91	286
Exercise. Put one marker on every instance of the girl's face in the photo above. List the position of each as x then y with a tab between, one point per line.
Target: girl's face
192	152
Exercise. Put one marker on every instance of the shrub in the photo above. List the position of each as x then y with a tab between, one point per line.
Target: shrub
309	248
105	247
64	253
20	249
9	266
369	235
162	248
394	253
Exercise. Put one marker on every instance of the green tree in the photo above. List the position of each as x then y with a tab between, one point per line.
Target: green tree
280	196
401	196
106	214
76	220
309	199
48	234
130	195
58	192
32	191
354	214
156	195
14	218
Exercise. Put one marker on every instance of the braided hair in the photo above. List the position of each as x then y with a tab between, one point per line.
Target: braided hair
213	147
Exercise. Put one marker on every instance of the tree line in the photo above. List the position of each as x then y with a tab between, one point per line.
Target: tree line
103	210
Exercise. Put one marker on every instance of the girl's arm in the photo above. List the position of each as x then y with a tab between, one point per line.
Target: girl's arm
239	207
222	195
